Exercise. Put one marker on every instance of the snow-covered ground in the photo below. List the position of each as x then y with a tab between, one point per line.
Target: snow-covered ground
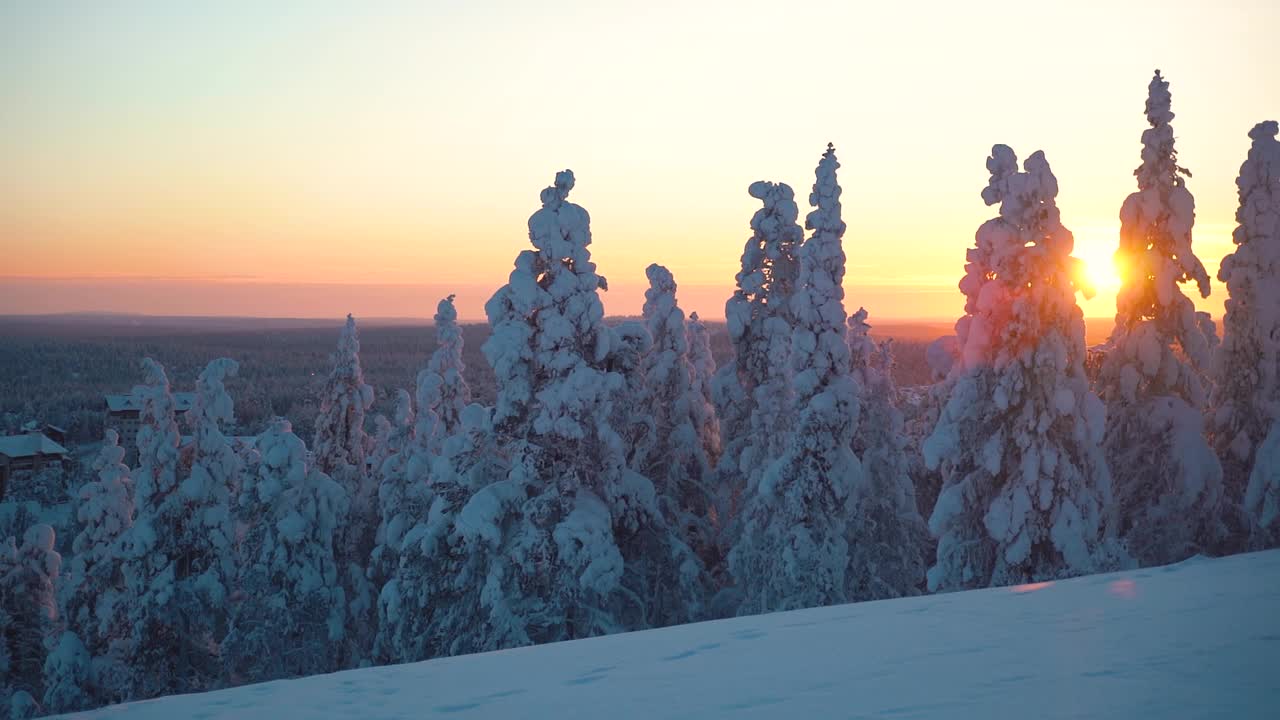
1200	639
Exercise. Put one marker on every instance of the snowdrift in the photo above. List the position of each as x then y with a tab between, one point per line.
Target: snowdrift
1194	640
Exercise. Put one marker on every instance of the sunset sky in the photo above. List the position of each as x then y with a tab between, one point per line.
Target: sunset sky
309	159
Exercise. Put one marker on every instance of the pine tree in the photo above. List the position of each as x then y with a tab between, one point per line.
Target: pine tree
753	393
794	550
291	620
1168	483
1246	423
29	613
1026	489
675	456
340	453
888	538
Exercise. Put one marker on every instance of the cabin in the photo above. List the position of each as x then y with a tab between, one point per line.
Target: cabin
27	453
124	413
53	432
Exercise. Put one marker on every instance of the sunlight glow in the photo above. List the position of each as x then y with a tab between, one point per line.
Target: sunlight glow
1100	264
1031	587
337	146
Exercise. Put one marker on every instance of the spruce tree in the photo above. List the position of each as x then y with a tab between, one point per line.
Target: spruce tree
676	455
1168	483
340	453
292	595
28	618
794	550
1246	421
753	393
95	598
1026	490
569	505
887	538
178	549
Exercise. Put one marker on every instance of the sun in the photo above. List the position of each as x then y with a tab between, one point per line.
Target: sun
1097	250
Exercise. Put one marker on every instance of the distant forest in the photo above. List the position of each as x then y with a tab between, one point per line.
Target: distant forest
57	370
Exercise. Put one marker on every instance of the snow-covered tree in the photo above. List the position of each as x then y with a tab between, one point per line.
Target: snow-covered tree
794	551
432	605
291	617
340	435
406	495
574	537
442	389
216	467
28	613
753	394
1025	489
675	456
887	538
1168	483
179	547
340	453
67	675
390	467
703	408
94	597
636	427
1246	422
157	437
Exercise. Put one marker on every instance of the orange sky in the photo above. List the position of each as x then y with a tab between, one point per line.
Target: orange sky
313	159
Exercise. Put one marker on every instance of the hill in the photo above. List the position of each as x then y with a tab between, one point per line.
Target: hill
1195	640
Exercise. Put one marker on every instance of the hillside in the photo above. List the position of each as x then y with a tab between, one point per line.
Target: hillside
1195	640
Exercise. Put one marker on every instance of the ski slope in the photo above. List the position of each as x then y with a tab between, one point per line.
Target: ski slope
1199	639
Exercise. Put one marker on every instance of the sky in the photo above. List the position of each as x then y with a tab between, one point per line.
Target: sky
309	159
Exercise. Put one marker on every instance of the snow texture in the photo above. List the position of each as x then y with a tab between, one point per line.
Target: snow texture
1110	646
1168	483
1025	483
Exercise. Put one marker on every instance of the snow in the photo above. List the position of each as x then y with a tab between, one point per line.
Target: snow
1262	497
1192	640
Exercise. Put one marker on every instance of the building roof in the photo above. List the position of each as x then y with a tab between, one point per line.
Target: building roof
29	445
182	402
37	426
